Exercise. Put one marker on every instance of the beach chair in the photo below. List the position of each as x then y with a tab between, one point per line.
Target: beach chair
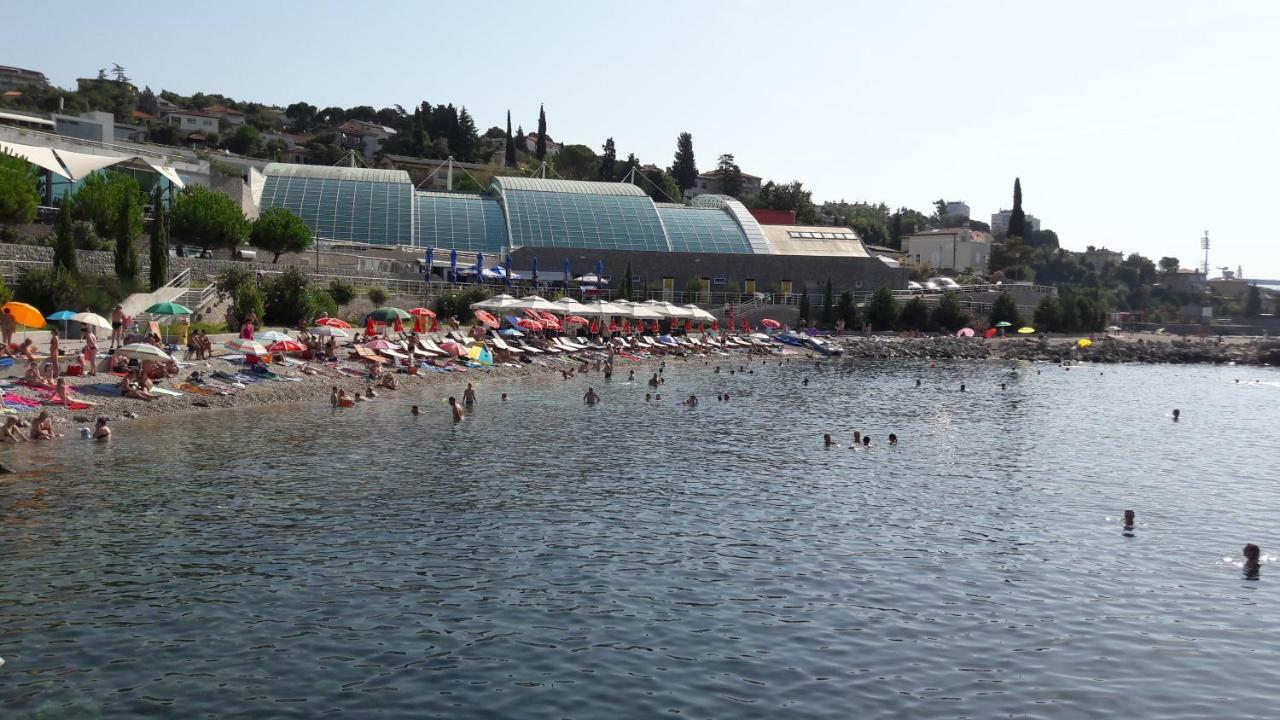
526	347
501	344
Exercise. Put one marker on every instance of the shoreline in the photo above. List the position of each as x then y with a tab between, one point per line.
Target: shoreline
315	388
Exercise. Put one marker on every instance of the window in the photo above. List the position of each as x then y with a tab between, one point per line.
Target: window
717	282
858	284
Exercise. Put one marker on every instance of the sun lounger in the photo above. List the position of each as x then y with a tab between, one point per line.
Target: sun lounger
501	344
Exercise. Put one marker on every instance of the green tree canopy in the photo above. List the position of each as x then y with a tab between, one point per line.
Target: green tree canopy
609	161
577	162
1253	305
948	314
1017	218
18	195
684	168
126	255
1168	264
158	272
1004	309
847	310
279	231
882	311
64	244
804	305
540	148
730	175
828	305
208	218
100	200
1046	317
914	315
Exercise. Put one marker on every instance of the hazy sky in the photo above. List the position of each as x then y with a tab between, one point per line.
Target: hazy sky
1134	125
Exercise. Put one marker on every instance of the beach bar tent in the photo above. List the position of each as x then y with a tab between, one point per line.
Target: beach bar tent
76	166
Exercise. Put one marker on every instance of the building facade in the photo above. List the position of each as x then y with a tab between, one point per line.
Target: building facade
712	183
16	78
363	137
958	209
1098	258
1000	222
190	121
955	249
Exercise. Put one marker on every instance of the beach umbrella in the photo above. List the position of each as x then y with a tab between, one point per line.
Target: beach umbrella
1026	330
399	326
329	331
990	333
271	336
964	332
379	344
168	308
507	269
698	313
643	312
567	274
1084	342
535	302
1003	324
600	270
602	308
715	325
386	315
93	319
511	332
578	319
241	345
771	323
422	312
430	255
144	351
453	266
1114	328
527	324
495	303
453	348
688	326
369	326
534	272
532	314
24	314
286	346
626	326
487	318
333	322
64	316
550	322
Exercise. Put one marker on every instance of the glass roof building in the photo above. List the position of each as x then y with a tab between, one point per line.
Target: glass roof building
382	207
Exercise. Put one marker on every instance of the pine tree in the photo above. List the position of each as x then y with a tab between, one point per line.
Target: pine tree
464	148
159	271
847	310
1017	220
804	304
1253	305
828	309
882	311
126	256
684	168
541	148
626	290
1005	309
608	161
511	145
64	246
522	142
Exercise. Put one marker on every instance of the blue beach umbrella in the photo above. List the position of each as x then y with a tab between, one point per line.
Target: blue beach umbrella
535	269
507	267
479	263
567	274
430	256
64	316
600	271
453	266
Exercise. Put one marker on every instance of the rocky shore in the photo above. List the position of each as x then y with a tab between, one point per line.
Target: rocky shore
1043	349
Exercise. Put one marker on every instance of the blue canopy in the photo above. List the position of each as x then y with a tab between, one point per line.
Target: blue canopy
430	256
511	332
62	315
507	272
535	268
453	265
511	320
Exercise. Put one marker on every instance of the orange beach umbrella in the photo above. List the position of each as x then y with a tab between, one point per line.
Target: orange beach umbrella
24	314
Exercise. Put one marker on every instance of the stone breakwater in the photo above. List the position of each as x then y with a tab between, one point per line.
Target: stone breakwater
1105	350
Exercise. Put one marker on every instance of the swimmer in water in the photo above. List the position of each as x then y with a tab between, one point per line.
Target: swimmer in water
469	395
504	397
413	410
591	398
1252	561
1001	386
1176	414
653	381
857	437
1128	519
917	382
961	387
866	441
692	401
827	441
456	408
648	397
805	382
893	439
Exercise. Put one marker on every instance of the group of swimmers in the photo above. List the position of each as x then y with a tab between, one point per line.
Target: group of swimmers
1252	553
41	428
859	440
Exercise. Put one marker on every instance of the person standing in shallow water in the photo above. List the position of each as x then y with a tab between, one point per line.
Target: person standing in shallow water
1252	561
1176	414
469	395
591	398
456	408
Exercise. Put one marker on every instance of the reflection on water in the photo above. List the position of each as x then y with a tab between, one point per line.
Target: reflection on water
546	559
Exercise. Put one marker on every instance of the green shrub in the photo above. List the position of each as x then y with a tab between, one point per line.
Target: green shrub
341	291
232	279
245	300
377	296
49	289
287	299
458	304
322	303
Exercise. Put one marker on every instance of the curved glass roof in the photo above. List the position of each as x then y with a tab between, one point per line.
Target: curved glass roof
614	221
369	211
702	230
336	173
755	234
582	187
459	222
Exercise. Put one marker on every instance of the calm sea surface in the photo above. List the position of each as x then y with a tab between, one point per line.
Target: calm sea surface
547	560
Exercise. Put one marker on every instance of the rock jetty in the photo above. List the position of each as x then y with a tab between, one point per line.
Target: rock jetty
1043	349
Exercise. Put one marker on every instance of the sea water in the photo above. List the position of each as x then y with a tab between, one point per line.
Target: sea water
545	559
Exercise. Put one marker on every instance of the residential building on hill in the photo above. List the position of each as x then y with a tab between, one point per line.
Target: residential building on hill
1098	258
16	78
192	121
949	249
1184	280
531	144
712	183
226	114
1000	222
364	137
958	209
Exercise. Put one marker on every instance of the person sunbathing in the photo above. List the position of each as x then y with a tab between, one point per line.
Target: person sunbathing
42	427
36	378
12	431
131	387
28	351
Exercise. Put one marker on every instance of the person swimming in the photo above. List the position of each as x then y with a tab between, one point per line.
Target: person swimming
857	437
1128	519
805	382
648	397
961	387
866	441
917	382
469	395
1252	560
692	401
504	397
591	398
1176	414
827	441
1001	386
653	381
893	439
414	410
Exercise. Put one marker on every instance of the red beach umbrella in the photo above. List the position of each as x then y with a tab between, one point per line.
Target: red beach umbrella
422	312
527	324
398	327
487	318
990	333
435	325
688	326
715	325
532	314
626	325
577	319
369	327
333	322
453	348
594	328
286	346
613	326
771	323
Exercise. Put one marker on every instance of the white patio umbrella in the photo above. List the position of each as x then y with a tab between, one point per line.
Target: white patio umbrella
641	311
248	347
143	351
536	302
569	306
699	313
329	331
603	309
266	338
669	310
93	319
497	302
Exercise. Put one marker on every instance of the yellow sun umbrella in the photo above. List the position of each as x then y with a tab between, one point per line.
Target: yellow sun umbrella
1026	330
1084	342
24	314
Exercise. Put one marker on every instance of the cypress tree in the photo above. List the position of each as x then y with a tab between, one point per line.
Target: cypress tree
1017	220
159	271
804	304
126	256
541	148
608	161
64	246
626	291
684	168
522	142
1004	309
511	144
